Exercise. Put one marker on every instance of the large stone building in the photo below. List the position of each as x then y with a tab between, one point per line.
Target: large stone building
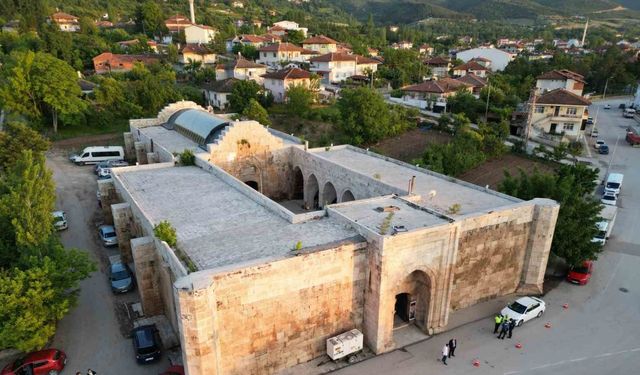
281	246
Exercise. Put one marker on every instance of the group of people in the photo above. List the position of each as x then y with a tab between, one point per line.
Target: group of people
504	325
449	350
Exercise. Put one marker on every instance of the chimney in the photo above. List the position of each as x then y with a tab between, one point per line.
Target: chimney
193	12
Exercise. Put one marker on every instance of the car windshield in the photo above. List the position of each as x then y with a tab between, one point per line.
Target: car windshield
120	275
613	185
18	363
581	269
109	234
57	219
601	235
609	198
520	309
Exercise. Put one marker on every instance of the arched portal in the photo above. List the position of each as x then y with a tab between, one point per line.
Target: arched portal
297	190
413	300
254	185
311	193
347	196
329	195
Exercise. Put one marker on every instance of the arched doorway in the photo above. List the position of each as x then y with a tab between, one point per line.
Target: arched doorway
404	310
311	193
413	300
254	185
329	195
347	196
297	190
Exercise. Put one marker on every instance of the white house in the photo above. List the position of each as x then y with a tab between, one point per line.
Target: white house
439	66
278	82
320	44
290	25
559	111
433	94
241	69
276	55
256	41
196	52
217	93
66	22
499	58
199	34
337	67
560	79
471	67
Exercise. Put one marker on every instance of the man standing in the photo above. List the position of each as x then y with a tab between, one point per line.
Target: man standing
512	325
504	328
453	343
498	320
445	353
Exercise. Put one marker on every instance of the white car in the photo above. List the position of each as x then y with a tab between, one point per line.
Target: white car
610	199
60	220
607	106
524	309
598	143
594	133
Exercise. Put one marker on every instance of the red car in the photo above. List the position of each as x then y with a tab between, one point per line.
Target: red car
581	275
174	370
43	362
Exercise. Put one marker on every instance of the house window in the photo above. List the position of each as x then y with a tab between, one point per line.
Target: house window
274	54
572	111
567	126
539	109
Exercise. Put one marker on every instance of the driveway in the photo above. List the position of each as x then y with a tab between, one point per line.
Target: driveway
91	334
599	331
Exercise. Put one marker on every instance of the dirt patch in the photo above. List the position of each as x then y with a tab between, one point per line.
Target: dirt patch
111	139
410	145
492	171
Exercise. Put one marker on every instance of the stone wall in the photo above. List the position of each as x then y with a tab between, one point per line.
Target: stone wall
275	315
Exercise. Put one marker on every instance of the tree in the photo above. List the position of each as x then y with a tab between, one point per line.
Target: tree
299	100
572	186
254	111
34	83
248	51
164	231
242	93
457	156
172	53
150	18
294	36
16	138
464	102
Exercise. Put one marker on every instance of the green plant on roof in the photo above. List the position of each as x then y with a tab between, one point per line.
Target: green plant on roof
454	209
298	246
166	232
377	176
187	157
386	223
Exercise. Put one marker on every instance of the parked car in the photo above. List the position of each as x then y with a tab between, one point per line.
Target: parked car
108	235
60	220
603	150
43	362
174	370
121	278
598	143
594	133
582	274
146	343
622	106
108	165
609	198
524	309
102	164
607	106
96	154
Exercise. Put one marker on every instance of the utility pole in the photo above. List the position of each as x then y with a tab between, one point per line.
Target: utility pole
612	155
486	110
606	84
532	107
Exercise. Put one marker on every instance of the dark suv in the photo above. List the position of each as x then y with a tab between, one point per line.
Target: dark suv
146	343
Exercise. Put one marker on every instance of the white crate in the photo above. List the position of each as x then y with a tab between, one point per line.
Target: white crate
342	345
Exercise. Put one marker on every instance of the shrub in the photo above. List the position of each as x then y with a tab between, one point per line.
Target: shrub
166	232
187	158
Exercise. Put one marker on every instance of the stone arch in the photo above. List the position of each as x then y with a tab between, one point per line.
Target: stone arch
347	196
329	194
420	285
297	187
253	184
311	193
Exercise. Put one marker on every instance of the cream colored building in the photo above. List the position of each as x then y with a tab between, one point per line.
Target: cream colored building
280	247
337	67
196	52
241	69
559	113
320	44
275	56
560	79
278	82
199	34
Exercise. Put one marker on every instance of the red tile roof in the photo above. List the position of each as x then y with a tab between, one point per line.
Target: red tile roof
290	73
336	56
281	47
441	86
240	63
64	17
562	97
199	49
473	80
562	75
319	39
471	65
222	86
438	60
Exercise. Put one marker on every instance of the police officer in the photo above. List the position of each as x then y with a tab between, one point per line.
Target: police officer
498	319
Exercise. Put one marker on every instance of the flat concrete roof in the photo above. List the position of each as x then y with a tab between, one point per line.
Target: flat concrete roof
448	191
218	225
368	213
169	139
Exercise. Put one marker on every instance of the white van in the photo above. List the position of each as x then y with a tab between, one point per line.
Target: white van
613	184
629	113
96	154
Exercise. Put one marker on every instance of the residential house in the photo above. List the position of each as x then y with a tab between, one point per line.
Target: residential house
403	44
87	87
432	95
482	61
290	25
199	34
275	55
104	24
394	29
372	52
320	44
66	22
217	93
126	44
277	30
337	67
499	58
560	79
477	83
425	50
12	26
197	52
108	62
256	41
560	111
439	66
470	67
177	23
237	4
344	48
278	82
241	69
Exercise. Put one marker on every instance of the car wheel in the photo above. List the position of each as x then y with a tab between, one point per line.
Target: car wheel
540	313
520	322
54	372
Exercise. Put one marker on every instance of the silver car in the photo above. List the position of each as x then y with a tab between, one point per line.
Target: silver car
60	220
108	235
121	278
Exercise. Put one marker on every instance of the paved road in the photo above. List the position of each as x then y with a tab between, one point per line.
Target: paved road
90	334
600	331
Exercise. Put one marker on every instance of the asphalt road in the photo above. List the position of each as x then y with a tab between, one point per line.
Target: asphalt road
90	334
599	332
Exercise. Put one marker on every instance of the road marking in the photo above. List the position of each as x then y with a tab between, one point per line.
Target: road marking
603	355
613	274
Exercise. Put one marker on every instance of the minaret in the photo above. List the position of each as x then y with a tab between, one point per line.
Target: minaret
584	34
193	12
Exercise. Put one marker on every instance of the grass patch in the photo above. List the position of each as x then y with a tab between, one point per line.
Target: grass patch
66	132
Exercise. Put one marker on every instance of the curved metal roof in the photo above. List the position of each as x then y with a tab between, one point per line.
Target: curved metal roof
202	127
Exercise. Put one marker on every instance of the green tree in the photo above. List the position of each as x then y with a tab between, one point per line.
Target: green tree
164	231
16	138
464	102
572	187
299	100
32	84
150	18
457	156
294	36
172	53
254	111
242	93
